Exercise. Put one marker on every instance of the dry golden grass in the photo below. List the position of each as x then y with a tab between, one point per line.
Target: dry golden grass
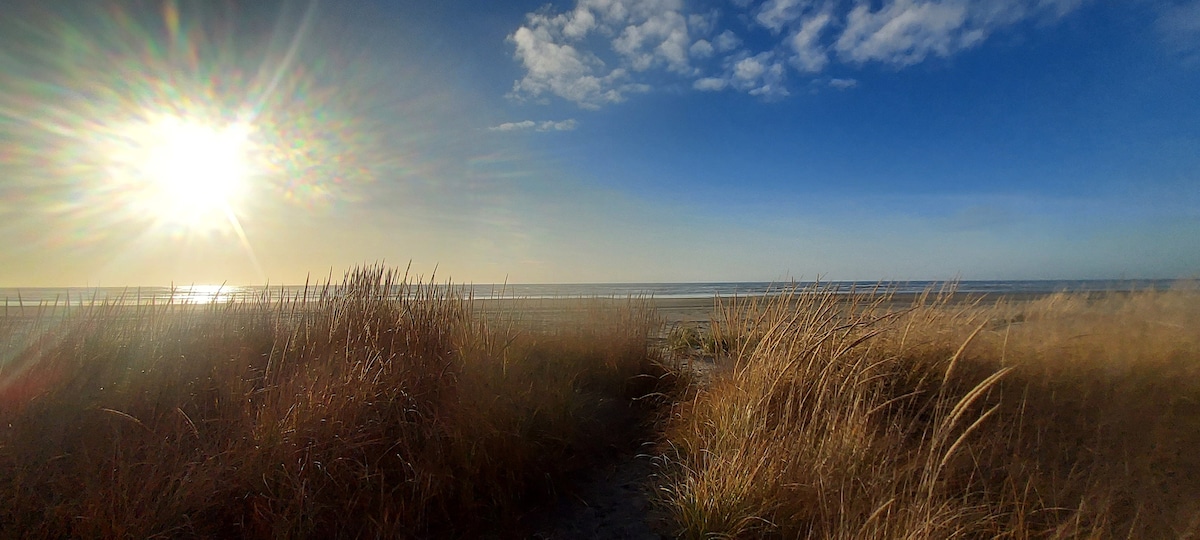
1073	416
386	408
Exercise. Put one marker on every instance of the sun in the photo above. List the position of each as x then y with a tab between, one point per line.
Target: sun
184	171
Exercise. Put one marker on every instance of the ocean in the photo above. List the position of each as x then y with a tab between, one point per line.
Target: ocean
206	294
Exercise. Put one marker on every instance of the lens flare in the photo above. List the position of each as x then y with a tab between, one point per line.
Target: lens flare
135	138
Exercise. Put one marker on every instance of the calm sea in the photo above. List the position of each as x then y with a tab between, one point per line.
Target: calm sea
207	294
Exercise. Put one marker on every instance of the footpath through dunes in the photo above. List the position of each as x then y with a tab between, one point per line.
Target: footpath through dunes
624	498
820	415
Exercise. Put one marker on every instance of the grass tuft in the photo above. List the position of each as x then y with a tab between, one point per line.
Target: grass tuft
383	406
851	416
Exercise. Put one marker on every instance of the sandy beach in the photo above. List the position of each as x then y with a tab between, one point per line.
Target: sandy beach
673	311
695	311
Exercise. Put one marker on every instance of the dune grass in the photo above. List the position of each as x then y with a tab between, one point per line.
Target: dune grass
387	407
1073	416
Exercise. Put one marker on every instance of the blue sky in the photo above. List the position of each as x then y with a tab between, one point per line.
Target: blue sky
660	140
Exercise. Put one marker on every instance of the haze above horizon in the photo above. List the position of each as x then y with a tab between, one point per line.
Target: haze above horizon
596	141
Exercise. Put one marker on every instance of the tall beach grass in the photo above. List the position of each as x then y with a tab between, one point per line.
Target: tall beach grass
1072	416
388	406
382	407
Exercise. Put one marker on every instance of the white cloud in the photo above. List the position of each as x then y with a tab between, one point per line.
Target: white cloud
842	84
810	55
547	125
748	69
727	41
711	84
775	14
514	126
580	24
560	69
703	24
564	125
759	75
601	51
553	49
661	37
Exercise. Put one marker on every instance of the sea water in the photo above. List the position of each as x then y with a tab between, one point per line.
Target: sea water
207	294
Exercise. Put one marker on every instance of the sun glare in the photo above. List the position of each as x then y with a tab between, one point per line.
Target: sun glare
185	171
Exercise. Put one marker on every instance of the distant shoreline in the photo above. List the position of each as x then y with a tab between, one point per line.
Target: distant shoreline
688	310
698	310
686	291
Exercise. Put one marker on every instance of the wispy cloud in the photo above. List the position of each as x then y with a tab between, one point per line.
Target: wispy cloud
842	84
1179	25
809	55
547	125
905	32
776	14
710	84
759	75
602	51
